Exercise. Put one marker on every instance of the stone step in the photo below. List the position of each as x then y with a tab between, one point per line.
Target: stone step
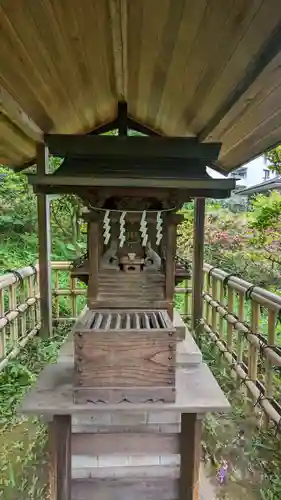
125	488
122	465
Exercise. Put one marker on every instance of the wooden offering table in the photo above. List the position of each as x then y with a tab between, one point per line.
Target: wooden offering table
124	451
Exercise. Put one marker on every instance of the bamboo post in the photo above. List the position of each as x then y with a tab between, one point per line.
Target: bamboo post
2	330
215	296
31	311
12	307
197	266
73	296
271	331
230	297
55	294
240	336
186	298
208	290
221	320
253	350
23	317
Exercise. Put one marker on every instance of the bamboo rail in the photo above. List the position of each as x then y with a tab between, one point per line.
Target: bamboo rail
19	311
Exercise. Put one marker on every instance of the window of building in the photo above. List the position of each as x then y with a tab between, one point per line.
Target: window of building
265	174
241	173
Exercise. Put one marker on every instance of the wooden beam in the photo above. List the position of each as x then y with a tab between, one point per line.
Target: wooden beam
104	128
131	147
60	457
190	447
122	119
170	262
222	185
143	129
197	266
44	243
93	252
257	65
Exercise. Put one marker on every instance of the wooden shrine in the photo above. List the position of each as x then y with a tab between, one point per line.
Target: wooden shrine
126	397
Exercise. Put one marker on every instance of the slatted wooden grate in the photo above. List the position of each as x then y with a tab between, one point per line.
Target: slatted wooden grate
122	320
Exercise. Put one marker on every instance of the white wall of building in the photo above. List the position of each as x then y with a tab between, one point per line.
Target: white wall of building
252	173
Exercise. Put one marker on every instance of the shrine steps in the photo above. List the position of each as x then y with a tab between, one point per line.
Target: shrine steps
137	459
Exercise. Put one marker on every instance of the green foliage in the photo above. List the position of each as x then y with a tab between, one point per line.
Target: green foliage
266	212
18	222
274	156
23	467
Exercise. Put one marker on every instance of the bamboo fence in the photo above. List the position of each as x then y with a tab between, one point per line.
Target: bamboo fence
19	311
243	321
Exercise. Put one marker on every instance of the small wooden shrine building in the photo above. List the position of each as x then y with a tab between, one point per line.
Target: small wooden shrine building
200	81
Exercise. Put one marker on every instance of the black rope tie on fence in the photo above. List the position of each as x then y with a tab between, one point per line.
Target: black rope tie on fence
209	274
35	273
248	379
261	398
226	280
249	291
17	275
278	319
277	426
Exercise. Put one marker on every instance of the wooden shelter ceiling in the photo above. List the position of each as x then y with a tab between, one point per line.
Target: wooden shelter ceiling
200	68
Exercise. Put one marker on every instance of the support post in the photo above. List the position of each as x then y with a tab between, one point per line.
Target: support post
44	243
93	252
190	446
170	264
60	457
198	261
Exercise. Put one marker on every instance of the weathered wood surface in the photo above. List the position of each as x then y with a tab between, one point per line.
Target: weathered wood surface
196	392
94	444
105	359
118	395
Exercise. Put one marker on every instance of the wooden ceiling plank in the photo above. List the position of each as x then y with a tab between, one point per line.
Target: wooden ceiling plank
102	102
261	90
154	19
172	99
60	61
240	18
72	22
118	14
167	43
33	50
256	66
134	41
253	118
259	133
16	137
258	32
203	53
12	111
